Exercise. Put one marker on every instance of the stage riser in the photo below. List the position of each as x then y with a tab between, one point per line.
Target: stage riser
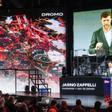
85	85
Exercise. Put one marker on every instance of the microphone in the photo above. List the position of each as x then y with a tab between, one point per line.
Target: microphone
80	50
84	49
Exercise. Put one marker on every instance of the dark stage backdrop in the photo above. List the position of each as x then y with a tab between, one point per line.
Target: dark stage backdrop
32	39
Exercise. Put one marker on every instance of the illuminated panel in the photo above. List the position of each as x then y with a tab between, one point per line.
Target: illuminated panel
34	41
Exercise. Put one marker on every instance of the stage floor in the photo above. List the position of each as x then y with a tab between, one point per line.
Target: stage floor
52	95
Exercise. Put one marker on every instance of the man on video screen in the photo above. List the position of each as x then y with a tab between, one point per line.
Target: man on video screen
101	42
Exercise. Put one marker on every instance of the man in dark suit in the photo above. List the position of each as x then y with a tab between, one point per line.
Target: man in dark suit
101	42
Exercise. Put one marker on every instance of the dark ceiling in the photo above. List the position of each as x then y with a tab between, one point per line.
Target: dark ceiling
71	4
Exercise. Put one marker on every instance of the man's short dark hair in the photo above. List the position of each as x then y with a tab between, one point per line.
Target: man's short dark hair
53	102
78	102
106	14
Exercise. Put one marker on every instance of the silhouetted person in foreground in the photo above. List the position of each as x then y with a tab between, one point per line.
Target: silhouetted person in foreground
78	107
53	107
97	107
64	107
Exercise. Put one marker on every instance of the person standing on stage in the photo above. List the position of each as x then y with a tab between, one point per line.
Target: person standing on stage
101	42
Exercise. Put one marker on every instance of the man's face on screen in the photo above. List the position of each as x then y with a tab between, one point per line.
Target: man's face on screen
106	22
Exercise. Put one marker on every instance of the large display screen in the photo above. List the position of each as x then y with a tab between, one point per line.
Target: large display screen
34	40
85	23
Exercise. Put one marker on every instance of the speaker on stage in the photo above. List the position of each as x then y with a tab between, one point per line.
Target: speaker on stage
27	90
33	90
64	71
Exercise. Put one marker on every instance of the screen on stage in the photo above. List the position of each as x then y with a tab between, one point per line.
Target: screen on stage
85	23
32	39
